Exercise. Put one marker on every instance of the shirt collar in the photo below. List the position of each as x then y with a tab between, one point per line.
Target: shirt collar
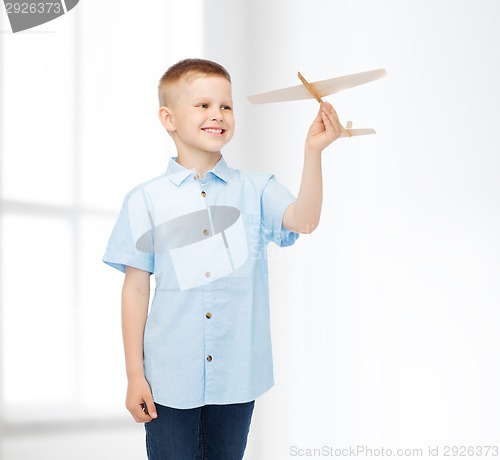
178	173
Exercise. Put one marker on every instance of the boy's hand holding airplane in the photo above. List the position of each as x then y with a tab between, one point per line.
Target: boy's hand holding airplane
325	129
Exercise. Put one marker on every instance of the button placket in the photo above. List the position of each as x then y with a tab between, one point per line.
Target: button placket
207	232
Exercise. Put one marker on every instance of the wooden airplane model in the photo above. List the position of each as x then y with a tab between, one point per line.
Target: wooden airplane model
319	89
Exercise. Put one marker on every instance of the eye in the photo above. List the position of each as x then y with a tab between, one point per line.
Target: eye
226	107
203	106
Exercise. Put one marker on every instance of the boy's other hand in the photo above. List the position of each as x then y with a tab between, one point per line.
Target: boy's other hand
324	130
139	400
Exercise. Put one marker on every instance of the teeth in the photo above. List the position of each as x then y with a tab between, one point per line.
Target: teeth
214	130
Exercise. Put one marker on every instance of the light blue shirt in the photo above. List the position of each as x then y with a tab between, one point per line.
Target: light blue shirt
207	338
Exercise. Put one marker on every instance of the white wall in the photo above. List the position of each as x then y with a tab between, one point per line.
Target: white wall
385	319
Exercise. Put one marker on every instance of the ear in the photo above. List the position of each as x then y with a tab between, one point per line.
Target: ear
166	119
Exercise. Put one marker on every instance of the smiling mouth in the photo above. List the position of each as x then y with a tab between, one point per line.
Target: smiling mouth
216	131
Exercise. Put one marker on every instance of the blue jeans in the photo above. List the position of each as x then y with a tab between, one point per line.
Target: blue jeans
211	432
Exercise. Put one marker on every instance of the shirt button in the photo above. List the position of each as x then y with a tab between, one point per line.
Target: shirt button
196	177
207	274
206	232
208	315
209	358
203	193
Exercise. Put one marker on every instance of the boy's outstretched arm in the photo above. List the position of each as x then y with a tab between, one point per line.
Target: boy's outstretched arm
303	215
135	302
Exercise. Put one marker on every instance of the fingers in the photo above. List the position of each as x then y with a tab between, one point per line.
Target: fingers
139	400
140	413
328	110
330	118
325	129
137	412
150	408
142	409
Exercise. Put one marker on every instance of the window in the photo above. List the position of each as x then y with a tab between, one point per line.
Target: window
78	129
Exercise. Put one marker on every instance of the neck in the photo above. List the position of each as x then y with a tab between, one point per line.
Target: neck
201	162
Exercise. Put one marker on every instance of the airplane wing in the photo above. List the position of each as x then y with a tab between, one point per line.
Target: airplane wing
358	132
323	87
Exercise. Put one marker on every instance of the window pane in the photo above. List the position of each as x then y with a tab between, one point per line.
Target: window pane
121	140
38	99
102	370
37	308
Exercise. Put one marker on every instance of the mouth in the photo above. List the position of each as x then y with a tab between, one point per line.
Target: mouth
214	131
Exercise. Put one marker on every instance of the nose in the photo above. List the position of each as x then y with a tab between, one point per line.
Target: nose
217	115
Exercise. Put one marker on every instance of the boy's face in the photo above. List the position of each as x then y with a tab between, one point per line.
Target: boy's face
201	115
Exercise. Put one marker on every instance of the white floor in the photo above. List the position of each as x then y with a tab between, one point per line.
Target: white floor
101	443
123	443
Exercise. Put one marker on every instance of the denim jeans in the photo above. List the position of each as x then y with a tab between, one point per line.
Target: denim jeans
211	432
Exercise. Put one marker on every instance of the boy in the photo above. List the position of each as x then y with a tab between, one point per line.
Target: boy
197	362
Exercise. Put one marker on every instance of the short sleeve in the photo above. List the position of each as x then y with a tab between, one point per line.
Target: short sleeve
130	243
275	200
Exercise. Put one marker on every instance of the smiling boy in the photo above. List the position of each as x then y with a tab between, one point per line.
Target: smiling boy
198	114
197	362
